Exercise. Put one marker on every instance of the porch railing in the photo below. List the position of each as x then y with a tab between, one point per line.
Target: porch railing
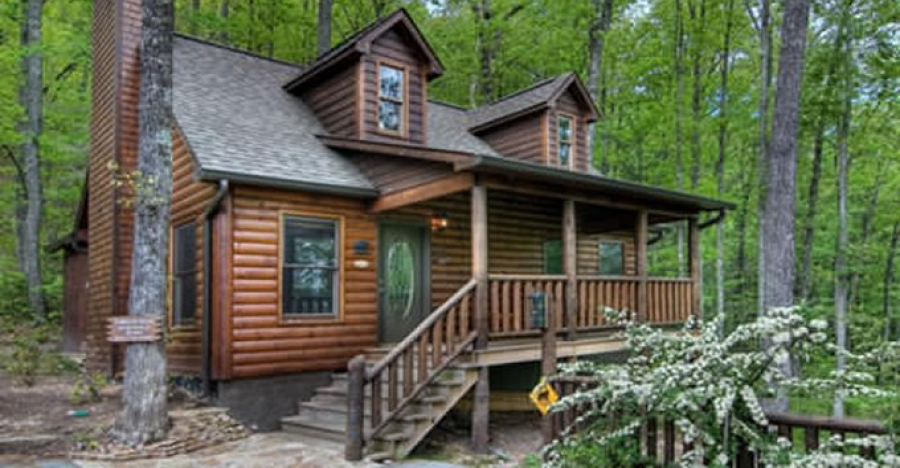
510	303
668	300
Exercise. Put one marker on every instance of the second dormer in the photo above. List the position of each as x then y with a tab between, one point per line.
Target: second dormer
373	86
546	123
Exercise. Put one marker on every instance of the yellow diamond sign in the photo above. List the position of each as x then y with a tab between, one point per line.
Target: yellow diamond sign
543	396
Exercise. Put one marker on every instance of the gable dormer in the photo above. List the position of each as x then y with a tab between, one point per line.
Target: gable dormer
374	85
544	124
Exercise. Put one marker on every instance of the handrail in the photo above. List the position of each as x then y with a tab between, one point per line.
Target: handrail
422	328
512	277
429	349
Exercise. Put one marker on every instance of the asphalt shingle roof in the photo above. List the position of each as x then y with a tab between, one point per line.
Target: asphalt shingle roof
448	129
239	121
519	101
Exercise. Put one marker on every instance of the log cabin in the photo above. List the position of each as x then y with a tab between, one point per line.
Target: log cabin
330	216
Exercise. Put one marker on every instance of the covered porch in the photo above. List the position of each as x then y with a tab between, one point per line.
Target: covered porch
586	253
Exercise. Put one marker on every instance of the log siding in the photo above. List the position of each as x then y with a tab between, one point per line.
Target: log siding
260	343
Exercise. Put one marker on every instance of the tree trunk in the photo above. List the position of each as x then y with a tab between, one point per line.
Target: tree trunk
720	167
144	417
596	36
679	137
224	13
841	275
889	280
809	220
324	26
867	219
778	216
697	92
31	97
765	85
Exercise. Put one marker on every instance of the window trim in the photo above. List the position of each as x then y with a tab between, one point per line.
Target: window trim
573	122
404	101
618	242
298	319
174	324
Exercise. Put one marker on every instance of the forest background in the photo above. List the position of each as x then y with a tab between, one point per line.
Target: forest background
685	88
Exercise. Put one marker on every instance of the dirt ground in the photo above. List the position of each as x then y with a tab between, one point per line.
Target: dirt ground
515	438
42	410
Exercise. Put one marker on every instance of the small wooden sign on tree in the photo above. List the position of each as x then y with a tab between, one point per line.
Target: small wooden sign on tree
134	329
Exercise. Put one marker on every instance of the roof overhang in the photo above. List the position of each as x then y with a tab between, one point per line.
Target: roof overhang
581	180
274	182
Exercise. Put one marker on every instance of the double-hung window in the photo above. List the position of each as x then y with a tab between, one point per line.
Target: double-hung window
564	132
391	98
612	258
184	274
310	267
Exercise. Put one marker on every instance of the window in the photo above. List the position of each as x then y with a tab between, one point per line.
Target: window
612	258
310	267
390	99
184	274
564	140
553	262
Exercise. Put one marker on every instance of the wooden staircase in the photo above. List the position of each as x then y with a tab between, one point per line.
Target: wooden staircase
391	397
324	416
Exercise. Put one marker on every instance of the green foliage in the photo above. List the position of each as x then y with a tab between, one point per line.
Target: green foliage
25	361
713	390
87	388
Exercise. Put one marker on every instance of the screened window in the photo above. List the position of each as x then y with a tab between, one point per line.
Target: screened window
390	98
612	258
184	274
310	272
553	262
564	140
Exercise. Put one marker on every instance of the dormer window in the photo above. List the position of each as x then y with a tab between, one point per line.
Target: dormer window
564	141
391	98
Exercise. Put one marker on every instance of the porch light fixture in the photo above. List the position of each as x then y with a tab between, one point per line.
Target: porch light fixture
440	221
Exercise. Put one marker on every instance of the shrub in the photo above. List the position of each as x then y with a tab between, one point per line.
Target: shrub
713	389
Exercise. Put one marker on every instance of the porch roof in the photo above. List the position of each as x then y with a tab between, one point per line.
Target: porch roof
592	181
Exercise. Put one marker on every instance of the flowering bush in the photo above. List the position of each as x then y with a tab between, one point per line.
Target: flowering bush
714	391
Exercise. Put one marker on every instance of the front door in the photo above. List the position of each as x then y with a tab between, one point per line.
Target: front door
403	279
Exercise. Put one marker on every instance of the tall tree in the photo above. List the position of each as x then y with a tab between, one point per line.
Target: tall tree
144	416
724	71
596	35
31	96
824	112
763	26
324	26
841	275
889	280
679	134
778	214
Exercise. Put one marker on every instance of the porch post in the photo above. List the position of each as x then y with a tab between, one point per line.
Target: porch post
570	265
694	249
481	397
480	262
640	258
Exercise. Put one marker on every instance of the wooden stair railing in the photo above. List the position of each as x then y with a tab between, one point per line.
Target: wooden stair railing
420	358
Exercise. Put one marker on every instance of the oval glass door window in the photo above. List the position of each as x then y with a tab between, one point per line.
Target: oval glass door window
401	279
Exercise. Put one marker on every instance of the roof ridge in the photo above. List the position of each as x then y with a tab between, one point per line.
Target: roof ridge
236	50
544	82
